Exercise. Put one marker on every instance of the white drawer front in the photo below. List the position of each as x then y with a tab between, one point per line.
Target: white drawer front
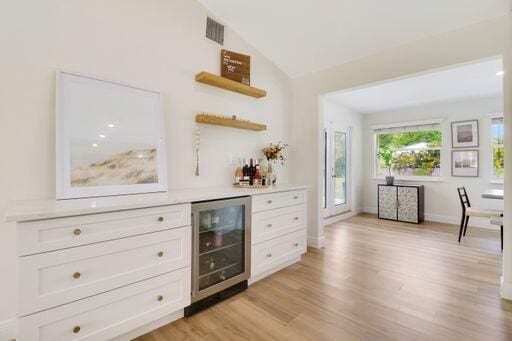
113	313
274	223
59	277
276	200
53	234
274	252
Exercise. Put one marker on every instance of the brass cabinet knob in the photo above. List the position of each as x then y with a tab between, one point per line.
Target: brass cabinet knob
77	232
160	254
269	255
296	218
160	298
160	219
296	244
77	275
76	330
269	201
296	197
269	225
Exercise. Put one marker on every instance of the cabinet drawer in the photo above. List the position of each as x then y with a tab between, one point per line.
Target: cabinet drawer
53	234
277	200
59	277
272	253
274	223
113	313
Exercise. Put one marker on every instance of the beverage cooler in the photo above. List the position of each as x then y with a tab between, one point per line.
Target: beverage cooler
221	250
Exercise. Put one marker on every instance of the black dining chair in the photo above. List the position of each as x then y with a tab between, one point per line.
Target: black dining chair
495	216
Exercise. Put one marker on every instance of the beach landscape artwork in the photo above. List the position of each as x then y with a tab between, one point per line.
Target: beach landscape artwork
465	134
111	139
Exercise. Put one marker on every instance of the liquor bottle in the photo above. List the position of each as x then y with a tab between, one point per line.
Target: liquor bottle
256	180
245	171
251	173
238	173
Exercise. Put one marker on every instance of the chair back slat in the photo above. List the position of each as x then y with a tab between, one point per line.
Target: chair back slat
464	198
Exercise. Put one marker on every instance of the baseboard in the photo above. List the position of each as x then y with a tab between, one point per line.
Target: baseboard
455	220
315	242
343	216
150	326
9	329
506	289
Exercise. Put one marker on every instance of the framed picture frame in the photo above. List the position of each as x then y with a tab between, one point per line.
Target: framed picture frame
109	138
465	163
465	134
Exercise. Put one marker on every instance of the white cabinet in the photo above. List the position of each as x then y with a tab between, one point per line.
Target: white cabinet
124	269
278	232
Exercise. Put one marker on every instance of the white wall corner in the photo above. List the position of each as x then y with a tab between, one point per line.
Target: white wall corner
506	289
9	329
370	209
316	242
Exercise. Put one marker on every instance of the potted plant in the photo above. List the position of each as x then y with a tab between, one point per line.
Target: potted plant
386	155
274	153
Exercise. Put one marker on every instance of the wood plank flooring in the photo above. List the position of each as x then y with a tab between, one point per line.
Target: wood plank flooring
375	280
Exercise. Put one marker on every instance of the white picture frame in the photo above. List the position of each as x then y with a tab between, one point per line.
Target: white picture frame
110	138
465	163
465	134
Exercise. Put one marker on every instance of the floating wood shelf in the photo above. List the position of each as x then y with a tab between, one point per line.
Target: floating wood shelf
228	84
229	122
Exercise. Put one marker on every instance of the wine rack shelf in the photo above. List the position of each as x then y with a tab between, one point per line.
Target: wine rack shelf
229	122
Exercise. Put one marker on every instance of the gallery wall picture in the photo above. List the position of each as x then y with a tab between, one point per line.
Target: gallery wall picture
109	138
465	163
465	134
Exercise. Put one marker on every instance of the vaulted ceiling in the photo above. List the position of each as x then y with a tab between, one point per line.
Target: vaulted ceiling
306	36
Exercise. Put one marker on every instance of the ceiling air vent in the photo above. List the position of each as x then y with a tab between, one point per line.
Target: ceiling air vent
215	31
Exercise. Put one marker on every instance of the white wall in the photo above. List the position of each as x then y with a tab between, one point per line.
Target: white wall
441	199
344	118
158	44
483	40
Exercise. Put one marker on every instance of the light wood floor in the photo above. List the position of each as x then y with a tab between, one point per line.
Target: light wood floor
375	280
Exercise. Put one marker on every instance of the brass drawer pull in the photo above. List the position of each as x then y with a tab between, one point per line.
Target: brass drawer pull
160	219
269	201
77	232
160	298
77	275
160	254
269	255
76	330
269	225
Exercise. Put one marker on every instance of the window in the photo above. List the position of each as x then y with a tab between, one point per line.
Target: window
415	150
497	148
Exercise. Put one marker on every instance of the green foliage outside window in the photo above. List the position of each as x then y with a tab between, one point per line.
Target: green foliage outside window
414	153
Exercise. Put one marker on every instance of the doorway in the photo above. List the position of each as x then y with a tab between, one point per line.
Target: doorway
336	170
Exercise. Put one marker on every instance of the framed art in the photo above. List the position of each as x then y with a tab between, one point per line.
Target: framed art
465	163
109	138
465	134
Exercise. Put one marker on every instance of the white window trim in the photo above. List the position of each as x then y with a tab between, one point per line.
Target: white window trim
406	124
494	180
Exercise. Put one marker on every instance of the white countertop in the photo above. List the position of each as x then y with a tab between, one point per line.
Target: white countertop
51	208
493	194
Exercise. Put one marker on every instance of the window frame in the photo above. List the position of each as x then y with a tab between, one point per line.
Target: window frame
493	116
423	178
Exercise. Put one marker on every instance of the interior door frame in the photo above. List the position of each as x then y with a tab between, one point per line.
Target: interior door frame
330	208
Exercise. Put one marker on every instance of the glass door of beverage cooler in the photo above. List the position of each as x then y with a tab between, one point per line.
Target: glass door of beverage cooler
221	245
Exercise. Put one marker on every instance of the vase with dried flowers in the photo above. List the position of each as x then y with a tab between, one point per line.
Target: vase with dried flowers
274	154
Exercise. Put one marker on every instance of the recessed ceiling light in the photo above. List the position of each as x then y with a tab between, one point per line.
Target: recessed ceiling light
95	145
102	136
500	73
110	125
